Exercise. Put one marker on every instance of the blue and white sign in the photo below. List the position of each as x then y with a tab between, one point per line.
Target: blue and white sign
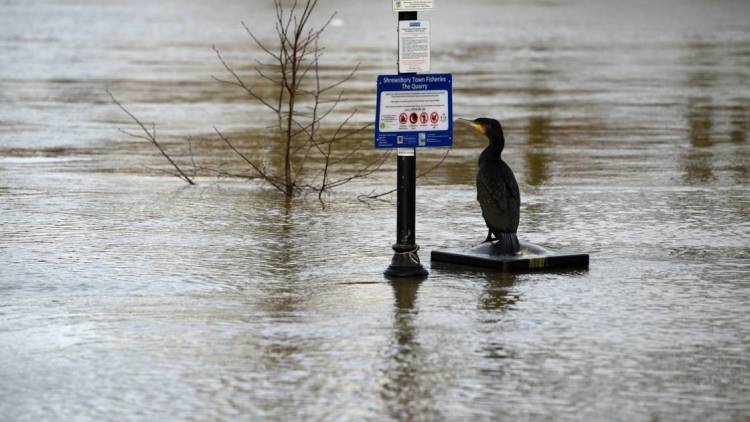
414	111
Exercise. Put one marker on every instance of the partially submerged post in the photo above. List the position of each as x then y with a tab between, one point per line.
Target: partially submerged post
412	111
405	261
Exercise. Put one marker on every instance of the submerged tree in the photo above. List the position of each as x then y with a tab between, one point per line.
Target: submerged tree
299	103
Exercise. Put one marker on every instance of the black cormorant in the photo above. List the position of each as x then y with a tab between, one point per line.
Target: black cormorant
497	189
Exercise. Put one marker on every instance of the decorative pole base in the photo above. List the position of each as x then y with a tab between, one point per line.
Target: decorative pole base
405	263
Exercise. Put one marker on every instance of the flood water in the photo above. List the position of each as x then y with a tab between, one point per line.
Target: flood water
126	294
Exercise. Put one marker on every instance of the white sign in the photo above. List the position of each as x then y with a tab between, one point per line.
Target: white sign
413	46
412	5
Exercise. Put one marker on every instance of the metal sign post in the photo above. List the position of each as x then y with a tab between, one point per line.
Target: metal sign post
405	261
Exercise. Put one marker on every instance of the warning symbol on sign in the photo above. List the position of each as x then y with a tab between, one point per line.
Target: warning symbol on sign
413	118
434	117
423	118
402	118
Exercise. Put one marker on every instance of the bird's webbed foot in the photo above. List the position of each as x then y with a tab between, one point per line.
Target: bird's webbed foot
489	237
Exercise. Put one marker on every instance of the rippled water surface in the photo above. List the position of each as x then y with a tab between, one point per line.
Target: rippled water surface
126	294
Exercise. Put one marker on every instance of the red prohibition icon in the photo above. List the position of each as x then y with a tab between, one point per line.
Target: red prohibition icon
423	118
413	118
402	118
434	117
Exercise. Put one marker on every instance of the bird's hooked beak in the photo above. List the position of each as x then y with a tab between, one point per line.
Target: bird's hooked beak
473	124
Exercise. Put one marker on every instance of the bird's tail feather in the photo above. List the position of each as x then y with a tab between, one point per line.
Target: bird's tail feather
506	243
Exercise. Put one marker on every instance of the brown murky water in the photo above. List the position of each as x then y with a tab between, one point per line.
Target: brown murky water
127	295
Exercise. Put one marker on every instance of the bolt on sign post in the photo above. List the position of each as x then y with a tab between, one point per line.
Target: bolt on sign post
412	111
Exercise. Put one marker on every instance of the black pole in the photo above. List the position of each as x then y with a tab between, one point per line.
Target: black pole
405	261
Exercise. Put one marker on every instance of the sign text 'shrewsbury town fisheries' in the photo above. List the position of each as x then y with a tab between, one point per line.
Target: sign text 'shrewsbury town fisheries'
414	111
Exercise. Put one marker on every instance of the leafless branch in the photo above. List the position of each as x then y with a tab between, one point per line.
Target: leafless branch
260	171
151	137
301	104
239	82
421	174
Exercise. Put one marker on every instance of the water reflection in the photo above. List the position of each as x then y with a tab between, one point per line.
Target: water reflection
710	120
539	122
537	137
497	294
405	395
740	112
496	300
283	261
700	122
738	135
697	163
